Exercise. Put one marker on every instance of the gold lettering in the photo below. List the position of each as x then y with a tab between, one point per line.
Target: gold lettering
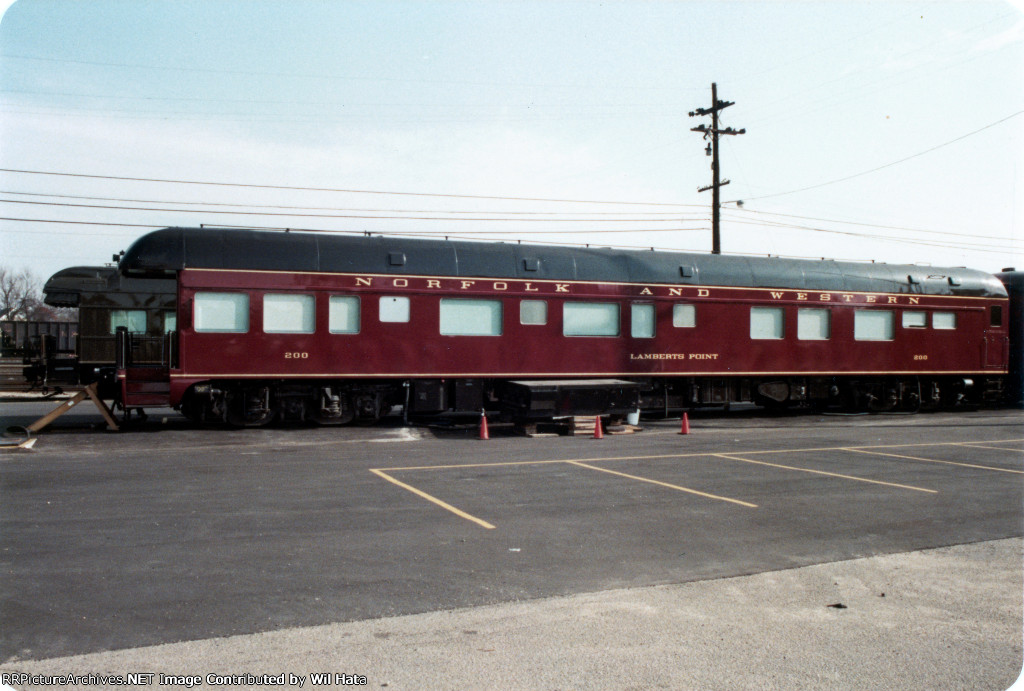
777	296
466	284
914	301
498	285
801	296
400	283
703	292
675	291
872	298
825	297
892	300
363	281
847	298
562	287
432	283
530	289
646	291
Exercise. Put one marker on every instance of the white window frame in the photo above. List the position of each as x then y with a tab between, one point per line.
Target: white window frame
241	322
759	323
289	313
575	313
642	320
865	324
394	309
939	321
128	318
342	324
471	317
808	330
684	315
539	305
914	319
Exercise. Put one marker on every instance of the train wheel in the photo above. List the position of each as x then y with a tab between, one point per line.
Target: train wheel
343	418
250	407
333	408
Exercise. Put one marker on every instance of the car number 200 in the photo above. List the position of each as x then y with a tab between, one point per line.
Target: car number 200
296	356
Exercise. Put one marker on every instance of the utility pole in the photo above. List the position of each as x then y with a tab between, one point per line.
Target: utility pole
712	150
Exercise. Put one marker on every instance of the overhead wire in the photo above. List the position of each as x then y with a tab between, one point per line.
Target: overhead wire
974	247
342	190
352	216
473	235
335	76
859	223
882	167
332	208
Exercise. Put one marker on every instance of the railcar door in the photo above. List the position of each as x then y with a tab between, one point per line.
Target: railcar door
997	350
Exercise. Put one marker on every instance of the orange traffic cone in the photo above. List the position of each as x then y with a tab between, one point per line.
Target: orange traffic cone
484	434
598	434
686	425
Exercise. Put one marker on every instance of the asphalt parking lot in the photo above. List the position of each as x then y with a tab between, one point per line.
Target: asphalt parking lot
165	533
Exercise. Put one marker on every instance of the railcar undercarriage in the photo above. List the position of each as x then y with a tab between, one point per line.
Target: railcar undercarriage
258	403
254	404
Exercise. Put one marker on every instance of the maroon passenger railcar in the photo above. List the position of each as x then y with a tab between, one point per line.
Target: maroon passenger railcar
332	328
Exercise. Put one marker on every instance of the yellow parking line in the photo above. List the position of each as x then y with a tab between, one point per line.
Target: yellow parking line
547	461
976	445
933	460
874	446
433	499
824	472
664	484
696	454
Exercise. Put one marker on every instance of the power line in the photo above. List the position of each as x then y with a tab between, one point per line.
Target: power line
477	236
353	216
974	247
868	225
474	235
333	77
334	189
630	105
331	208
887	165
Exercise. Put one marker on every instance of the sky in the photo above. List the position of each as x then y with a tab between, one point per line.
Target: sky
885	131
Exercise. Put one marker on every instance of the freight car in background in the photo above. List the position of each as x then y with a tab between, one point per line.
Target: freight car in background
331	329
105	300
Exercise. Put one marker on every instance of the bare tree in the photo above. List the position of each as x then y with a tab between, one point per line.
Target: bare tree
20	295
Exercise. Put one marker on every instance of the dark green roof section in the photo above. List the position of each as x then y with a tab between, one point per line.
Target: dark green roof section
78	285
167	251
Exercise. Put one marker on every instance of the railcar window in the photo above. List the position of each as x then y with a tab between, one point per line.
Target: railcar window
813	324
873	325
684	316
944	320
133	320
170	322
767	323
642	321
394	309
222	312
996	316
288	314
467	317
343	314
590	319
534	312
914	320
